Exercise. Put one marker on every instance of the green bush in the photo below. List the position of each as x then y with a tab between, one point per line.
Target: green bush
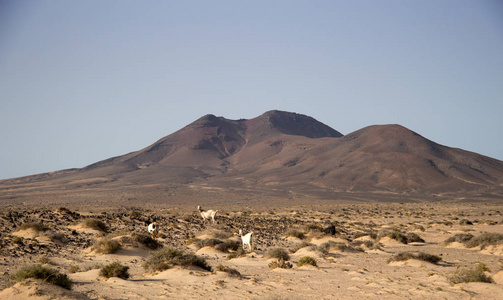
278	253
106	246
165	258
39	272
307	260
115	269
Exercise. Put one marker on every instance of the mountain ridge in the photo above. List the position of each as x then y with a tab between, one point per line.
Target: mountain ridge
282	152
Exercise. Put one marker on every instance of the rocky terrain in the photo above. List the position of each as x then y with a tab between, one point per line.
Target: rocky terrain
361	250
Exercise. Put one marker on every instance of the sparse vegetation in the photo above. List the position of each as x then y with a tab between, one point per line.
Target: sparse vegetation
115	269
95	224
238	253
106	246
280	263
46	274
483	240
404	238
17	240
299	246
166	258
403	256
37	227
232	272
73	269
475	274
296	234
278	253
307	260
146	240
218	244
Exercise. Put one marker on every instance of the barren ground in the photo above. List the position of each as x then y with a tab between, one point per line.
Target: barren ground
346	269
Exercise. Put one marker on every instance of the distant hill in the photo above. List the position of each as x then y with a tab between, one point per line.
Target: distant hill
275	155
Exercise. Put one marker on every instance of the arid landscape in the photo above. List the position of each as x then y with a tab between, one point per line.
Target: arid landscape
375	250
380	213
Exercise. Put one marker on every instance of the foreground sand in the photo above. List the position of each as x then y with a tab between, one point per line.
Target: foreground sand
350	272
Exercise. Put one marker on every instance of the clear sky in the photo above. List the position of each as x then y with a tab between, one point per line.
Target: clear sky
83	81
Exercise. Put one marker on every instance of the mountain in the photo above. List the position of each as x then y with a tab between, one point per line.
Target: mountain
275	155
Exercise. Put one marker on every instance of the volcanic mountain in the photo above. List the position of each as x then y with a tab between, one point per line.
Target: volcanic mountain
275	155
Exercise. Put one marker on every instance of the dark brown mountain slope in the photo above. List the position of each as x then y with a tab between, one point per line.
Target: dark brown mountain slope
281	154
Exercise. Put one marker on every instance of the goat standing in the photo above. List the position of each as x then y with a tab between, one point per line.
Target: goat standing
153	229
247	240
206	214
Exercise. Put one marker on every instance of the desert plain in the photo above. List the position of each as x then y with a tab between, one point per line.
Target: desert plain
360	251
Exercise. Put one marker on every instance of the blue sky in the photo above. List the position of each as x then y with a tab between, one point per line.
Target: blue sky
82	81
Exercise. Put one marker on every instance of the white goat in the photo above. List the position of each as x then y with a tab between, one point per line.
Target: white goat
206	214
247	240
153	229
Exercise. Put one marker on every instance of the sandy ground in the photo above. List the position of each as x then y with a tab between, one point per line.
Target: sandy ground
349	269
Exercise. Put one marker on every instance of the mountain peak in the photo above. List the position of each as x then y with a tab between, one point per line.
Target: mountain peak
298	124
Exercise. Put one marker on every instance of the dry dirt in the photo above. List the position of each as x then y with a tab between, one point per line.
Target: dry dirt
349	269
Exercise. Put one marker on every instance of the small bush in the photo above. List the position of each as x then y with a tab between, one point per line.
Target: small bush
44	260
403	256
38	227
73	269
278	253
460	238
115	269
232	272
485	239
280	263
307	260
146	240
239	253
39	272
299	246
219	245
401	237
475	274
165	258
95	224
106	246
296	234
18	240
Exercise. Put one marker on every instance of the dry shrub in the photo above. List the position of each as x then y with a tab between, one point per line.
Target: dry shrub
165	258
238	253
17	240
403	238
115	269
73	269
485	239
46	274
106	246
146	240
296	234
299	246
475	274
37	227
278	253
95	224
218	244
403	256
307	260
460	238
232	272
280	263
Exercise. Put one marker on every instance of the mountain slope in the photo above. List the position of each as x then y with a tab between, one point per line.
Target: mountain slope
280	152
